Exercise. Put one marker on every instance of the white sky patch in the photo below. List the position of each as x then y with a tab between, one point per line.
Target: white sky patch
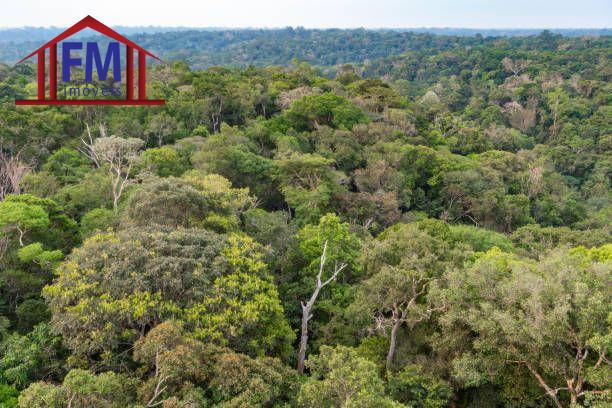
314	13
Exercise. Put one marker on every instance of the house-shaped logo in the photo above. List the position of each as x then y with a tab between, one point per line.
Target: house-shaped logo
91	95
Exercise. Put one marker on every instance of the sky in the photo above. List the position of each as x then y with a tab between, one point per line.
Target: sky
313	13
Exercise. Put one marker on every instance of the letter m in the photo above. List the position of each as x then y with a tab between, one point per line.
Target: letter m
93	56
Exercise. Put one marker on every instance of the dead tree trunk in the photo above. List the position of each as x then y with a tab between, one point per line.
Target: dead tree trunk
12	171
307	307
393	342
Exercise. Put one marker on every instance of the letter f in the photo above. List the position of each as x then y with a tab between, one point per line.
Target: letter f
68	62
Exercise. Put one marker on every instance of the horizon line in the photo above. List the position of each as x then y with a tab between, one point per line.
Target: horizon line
317	28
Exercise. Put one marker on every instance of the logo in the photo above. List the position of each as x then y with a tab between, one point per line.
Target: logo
89	56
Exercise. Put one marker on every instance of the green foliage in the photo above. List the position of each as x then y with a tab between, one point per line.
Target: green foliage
196	200
82	389
116	285
8	396
93	191
97	220
168	202
480	239
340	377
36	253
418	390
309	183
41	184
22	217
328	109
30	357
67	165
464	180
243	381
342	245
31	312
234	156
163	162
410	243
63	230
231	379
537	239
522	311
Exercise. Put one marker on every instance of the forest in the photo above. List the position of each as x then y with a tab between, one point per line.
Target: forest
407	220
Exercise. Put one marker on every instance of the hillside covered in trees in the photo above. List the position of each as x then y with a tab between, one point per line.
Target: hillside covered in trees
205	48
427	226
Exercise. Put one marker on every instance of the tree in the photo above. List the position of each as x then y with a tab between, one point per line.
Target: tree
221	195
231	154
314	110
307	307
163	162
55	229
342	378
243	381
119	155
81	389
112	290
40	184
34	356
328	243
516	67
67	165
93	191
87	144
8	396
97	220
174	359
22	217
309	183
170	202
395	297
521	118
418	389
550	317
12	171
557	101
176	363
508	139
161	126
403	262
196	200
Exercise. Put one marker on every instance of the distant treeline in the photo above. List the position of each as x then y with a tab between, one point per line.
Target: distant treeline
203	48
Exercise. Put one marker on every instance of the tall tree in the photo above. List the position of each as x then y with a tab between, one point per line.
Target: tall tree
119	155
307	306
395	296
12	171
551	317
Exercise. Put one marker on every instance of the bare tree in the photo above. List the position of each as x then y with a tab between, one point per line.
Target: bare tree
286	99
12	171
87	144
516	67
4	241
534	181
307	307
521	118
394	296
161	126
119	154
160	379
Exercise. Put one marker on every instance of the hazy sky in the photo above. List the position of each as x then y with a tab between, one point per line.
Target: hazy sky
314	13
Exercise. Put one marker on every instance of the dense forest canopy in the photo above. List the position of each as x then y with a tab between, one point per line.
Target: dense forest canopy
316	218
321	47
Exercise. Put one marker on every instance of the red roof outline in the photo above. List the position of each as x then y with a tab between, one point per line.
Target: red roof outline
90	22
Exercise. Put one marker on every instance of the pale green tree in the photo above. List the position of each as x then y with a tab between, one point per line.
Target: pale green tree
551	317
